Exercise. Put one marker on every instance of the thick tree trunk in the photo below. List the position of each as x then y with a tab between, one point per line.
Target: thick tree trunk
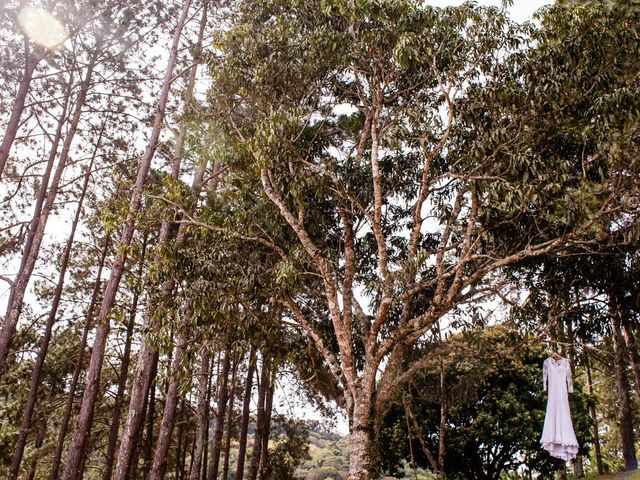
594	421
201	418
359	455
622	384
55	464
30	63
16	295
169	412
246	413
124	370
227	440
46	338
97	356
259	431
216	444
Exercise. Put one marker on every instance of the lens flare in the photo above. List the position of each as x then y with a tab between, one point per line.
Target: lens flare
42	27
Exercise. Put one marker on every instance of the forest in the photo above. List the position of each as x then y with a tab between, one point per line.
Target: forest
318	239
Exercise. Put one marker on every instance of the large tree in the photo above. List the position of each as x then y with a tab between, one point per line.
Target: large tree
398	143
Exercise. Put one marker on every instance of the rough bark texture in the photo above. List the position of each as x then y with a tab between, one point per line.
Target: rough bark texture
46	338
201	419
97	356
246	413
216	444
64	425
622	384
359	459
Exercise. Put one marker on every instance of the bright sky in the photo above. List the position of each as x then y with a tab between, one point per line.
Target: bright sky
520	11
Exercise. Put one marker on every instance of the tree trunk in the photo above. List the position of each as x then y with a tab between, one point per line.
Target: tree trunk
30	63
38	444
578	467
632	349
97	356
14	305
148	439
268	407
259	431
359	455
622	383
202	423
46	338
147	355
216	444
246	413
124	370
594	421
55	465
227	444
169	412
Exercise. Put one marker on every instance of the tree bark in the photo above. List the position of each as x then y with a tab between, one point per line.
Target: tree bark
221	404
246	413
202	422
55	465
259	431
30	63
148	438
268	407
124	370
147	356
622	383
227	444
46	338
632	349
594	420
95	366
359	456
168	415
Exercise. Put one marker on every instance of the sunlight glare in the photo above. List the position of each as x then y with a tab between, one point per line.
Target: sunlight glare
42	27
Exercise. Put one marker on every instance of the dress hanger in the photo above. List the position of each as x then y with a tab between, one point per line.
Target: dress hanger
556	356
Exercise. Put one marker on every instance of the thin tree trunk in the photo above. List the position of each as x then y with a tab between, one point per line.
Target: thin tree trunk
97	356
227	444
622	383
268	407
169	412
148	442
124	370
594	420
147	355
260	417
216	445
201	418
246	412
30	63
55	465
16	295
38	444
442	445
632	349
46	338
205	453
578	467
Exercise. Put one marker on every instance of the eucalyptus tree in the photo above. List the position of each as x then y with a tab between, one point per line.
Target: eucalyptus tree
394	140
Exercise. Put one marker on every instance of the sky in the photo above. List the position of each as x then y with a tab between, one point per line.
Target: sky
520	11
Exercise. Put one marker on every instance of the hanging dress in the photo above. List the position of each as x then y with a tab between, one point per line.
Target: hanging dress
558	437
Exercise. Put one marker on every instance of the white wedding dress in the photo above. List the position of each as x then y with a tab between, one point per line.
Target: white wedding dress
558	437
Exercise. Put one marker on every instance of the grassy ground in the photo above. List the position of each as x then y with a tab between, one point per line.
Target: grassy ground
620	476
